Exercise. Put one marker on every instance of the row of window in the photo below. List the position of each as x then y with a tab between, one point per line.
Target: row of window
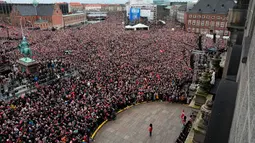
207	31
42	26
74	18
33	19
207	23
208	17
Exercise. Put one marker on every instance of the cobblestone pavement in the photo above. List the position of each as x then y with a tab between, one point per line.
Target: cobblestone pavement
131	126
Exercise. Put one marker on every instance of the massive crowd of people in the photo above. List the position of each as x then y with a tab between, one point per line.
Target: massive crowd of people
116	68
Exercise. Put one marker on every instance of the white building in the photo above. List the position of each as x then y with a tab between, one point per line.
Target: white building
148	9
180	13
140	2
92	7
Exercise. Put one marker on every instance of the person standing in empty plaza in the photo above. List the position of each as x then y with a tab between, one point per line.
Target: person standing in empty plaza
150	129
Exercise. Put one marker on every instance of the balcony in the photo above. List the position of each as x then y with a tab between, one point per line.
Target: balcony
237	18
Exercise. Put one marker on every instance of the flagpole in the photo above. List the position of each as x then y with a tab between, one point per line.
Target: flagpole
21	27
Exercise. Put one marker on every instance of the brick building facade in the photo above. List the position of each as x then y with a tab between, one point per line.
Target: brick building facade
73	19
180	13
206	23
112	7
44	16
92	7
209	16
75	6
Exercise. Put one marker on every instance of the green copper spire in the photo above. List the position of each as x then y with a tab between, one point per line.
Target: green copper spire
35	3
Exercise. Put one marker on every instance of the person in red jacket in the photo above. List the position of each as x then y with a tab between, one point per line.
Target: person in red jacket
150	129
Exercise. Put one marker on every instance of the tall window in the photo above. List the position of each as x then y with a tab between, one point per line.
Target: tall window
222	24
203	16
198	22
207	23
189	22
194	22
202	23
212	23
197	30
190	16
217	23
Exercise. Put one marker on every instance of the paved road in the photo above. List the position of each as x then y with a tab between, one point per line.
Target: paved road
131	126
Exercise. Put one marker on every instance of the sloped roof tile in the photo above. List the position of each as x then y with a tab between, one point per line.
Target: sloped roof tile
213	6
40	10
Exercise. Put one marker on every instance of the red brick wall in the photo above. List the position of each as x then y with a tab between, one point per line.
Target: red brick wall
185	18
198	23
43	25
73	19
57	17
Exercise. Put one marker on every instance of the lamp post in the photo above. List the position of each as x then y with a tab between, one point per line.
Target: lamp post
21	27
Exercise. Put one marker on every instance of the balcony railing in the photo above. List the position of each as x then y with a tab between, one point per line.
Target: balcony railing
237	18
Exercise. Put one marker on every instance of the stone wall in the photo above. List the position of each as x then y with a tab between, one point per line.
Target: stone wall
243	124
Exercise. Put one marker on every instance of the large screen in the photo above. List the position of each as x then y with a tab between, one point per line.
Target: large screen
134	14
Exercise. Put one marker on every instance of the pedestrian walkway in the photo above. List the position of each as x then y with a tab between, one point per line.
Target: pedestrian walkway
131	126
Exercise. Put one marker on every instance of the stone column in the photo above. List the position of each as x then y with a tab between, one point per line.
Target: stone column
202	122
215	61
204	87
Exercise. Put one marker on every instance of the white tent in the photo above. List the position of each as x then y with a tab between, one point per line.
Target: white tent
225	37
163	22
129	27
137	26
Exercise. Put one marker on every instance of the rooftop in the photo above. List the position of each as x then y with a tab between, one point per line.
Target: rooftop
75	4
40	10
183	8
213	6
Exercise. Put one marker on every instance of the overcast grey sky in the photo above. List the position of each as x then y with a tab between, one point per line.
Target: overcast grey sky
82	1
